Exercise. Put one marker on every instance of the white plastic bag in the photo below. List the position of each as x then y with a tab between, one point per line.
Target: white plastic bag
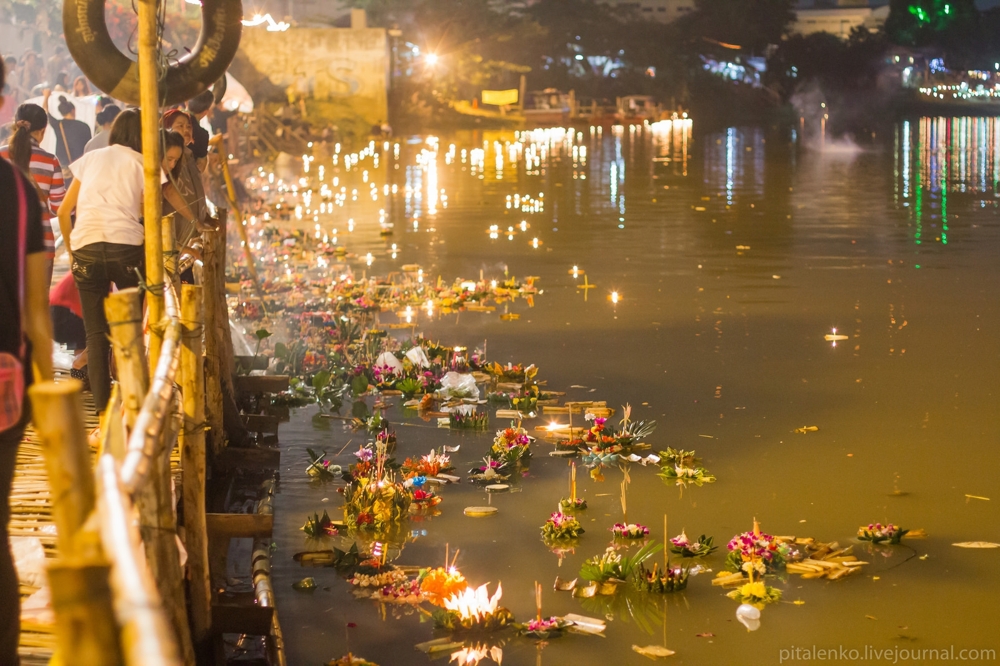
29	560
389	359
418	357
458	385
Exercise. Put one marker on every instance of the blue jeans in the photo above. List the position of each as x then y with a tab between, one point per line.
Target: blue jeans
95	268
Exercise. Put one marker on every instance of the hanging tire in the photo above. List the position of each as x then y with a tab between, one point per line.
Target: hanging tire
219	89
117	75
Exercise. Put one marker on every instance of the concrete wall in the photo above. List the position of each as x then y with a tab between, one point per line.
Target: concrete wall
346	68
839	21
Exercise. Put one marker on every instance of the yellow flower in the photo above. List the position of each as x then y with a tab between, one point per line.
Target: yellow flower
756	589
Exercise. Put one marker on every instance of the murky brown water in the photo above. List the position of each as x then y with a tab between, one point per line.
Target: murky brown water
733	254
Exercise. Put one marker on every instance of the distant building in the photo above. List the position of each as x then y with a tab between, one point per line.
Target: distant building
664	11
838	17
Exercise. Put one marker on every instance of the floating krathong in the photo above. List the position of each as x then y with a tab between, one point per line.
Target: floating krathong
755	594
430	465
316	526
629	531
491	471
561	526
879	533
511	445
614	566
683	546
545	628
665	580
755	552
319	467
441	583
473	610
570	504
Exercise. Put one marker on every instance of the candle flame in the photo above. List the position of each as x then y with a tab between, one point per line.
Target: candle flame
475	604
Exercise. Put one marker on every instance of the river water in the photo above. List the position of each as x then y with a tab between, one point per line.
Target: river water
732	254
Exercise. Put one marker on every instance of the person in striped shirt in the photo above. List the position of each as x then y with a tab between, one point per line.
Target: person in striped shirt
44	169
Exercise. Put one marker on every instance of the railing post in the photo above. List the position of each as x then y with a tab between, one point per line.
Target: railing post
214	275
59	422
149	95
124	314
193	460
86	630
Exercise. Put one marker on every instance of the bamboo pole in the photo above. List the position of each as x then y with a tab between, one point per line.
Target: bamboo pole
214	252
242	230
145	631
123	310
193	460
86	631
149	97
59	422
164	560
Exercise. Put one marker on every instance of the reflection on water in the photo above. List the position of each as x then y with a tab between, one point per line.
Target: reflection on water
732	254
936	157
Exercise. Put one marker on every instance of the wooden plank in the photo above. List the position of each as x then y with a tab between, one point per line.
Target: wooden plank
241	619
260	383
248	363
255	459
262	423
239	525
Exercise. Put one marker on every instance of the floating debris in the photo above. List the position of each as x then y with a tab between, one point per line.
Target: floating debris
480	511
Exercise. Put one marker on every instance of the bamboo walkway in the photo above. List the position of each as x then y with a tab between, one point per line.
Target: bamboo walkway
31	516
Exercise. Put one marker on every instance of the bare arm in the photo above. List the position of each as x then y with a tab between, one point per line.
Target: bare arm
37	320
65	211
171	194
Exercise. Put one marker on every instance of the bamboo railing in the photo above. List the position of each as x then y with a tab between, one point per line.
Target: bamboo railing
117	584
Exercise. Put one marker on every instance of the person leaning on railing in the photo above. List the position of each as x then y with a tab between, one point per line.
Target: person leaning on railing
25	325
106	243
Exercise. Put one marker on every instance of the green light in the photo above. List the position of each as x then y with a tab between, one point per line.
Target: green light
947	9
917	266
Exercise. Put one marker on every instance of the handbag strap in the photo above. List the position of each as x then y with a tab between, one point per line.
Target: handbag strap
69	155
22	248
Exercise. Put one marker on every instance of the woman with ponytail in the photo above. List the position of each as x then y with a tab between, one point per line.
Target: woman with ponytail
24	151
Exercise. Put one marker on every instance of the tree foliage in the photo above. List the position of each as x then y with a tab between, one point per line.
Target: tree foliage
929	22
750	24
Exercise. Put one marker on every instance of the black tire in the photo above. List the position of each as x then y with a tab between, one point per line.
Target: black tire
117	75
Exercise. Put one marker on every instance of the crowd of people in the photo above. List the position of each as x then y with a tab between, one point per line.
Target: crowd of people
85	198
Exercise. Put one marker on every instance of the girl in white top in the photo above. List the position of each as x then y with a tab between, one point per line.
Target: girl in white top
106	243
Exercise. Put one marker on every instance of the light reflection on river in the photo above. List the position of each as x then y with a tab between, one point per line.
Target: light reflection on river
733	253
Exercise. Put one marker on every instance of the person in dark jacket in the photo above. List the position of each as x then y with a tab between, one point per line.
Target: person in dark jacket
72	135
25	326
